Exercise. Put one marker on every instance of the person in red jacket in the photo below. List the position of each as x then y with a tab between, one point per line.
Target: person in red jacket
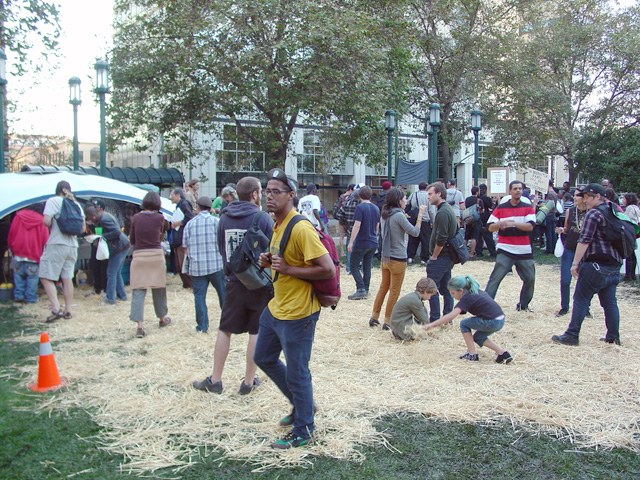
27	238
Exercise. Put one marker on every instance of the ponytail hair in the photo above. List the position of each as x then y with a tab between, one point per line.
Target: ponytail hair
466	283
63	189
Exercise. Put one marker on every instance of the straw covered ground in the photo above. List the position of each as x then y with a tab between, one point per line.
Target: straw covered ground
139	390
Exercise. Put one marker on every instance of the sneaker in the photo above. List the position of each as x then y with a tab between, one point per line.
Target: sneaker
288	420
562	312
292	440
409	261
614	341
504	357
423	263
140	332
373	322
107	304
359	295
472	357
164	322
385	327
565	340
20	300
247	389
525	309
208	386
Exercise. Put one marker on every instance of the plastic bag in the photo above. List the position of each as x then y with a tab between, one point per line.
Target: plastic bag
102	253
559	248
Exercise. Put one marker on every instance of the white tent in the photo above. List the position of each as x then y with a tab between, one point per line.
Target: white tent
22	189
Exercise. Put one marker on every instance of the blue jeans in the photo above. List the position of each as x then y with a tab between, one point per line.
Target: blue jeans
550	235
601	279
295	339
348	266
440	271
526	269
25	279
565	277
483	327
362	256
200	287
115	284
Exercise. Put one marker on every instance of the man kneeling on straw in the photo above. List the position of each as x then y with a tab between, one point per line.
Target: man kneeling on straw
488	318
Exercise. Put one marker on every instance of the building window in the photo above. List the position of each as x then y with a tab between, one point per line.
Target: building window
488	157
312	152
238	153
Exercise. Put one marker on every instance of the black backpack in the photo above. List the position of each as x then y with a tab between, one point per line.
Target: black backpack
70	219
244	259
620	231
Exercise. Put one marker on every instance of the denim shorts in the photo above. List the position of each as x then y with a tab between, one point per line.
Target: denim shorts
483	327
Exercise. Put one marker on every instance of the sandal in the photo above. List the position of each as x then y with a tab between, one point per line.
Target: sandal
165	322
67	316
54	316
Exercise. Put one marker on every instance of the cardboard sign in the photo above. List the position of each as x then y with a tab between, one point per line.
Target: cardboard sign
537	180
497	181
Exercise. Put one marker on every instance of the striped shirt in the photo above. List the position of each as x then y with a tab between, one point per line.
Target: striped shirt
201	239
513	241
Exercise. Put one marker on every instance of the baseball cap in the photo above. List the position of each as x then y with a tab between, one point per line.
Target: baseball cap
279	174
358	187
594	188
204	202
311	187
578	192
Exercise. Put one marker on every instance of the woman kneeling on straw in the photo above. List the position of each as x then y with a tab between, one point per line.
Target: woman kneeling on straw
488	318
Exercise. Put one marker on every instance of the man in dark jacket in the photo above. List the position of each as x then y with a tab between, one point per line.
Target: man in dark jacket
177	197
242	307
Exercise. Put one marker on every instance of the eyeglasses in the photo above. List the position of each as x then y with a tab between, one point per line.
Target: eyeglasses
273	192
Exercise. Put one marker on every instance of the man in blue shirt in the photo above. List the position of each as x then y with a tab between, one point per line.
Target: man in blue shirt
363	242
204	262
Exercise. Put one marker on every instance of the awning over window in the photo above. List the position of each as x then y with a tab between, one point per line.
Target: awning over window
154	176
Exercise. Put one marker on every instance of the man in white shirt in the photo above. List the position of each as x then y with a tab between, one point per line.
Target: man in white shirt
60	254
310	206
455	198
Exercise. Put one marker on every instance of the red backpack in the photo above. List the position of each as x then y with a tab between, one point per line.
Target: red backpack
328	290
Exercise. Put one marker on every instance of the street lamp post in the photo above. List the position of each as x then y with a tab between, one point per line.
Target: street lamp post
476	126
389	126
434	121
429	146
3	82
102	88
74	99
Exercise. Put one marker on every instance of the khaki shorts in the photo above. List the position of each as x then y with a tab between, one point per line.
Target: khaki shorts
342	232
58	261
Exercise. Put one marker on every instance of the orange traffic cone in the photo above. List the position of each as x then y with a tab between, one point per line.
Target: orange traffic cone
48	377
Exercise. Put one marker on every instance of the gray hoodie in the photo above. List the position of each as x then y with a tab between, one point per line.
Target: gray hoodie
235	220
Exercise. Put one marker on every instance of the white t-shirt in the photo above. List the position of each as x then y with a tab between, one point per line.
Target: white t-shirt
307	205
56	237
455	198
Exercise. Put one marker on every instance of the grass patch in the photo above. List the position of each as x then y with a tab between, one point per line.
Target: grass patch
61	445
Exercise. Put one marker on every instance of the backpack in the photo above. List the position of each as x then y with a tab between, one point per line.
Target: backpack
471	215
70	219
342	199
327	290
244	259
620	231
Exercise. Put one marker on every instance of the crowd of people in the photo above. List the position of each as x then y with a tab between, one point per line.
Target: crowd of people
281	316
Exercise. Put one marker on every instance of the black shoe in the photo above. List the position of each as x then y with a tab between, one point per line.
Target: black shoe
588	315
385	326
208	386
504	357
373	322
519	308
565	340
614	341
247	389
562	312
359	295
472	357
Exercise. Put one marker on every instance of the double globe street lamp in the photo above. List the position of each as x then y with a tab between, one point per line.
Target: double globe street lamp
389	126
3	82
476	126
434	121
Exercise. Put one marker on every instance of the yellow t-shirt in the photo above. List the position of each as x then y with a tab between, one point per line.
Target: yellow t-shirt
293	297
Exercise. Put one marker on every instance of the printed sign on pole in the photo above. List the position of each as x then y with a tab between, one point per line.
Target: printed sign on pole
498	181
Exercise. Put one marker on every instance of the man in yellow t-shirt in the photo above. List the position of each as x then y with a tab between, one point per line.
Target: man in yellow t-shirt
289	321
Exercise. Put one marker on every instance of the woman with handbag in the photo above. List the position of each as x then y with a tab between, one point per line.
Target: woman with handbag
395	227
631	210
148	269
